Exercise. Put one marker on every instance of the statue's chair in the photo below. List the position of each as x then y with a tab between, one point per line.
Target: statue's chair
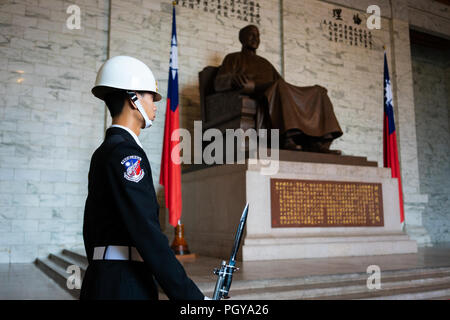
224	110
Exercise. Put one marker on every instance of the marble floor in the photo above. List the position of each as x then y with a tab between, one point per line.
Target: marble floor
26	281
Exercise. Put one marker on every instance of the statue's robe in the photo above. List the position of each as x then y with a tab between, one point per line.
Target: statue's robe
287	107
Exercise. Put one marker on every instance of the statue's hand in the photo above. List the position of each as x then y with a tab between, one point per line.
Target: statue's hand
249	86
242	81
237	80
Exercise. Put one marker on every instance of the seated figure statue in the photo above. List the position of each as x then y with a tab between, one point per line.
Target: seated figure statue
304	115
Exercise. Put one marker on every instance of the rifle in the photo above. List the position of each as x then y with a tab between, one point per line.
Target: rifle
225	273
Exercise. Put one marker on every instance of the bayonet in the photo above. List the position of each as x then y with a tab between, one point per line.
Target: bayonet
225	272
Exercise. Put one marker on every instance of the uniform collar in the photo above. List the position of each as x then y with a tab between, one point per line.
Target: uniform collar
135	137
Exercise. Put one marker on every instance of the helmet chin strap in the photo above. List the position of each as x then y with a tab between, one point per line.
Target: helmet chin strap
134	98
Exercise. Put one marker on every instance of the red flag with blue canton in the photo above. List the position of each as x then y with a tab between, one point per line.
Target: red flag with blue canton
170	175
390	151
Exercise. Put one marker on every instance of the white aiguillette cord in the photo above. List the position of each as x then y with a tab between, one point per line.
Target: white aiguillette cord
137	103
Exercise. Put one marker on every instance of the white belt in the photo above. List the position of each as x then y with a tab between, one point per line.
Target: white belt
117	253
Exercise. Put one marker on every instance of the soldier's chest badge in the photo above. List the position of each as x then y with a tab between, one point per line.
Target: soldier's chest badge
133	171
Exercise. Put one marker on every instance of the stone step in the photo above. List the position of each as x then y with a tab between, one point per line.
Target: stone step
314	287
348	292
447	297
323	279
78	256
420	283
354	289
425	292
421	294
64	261
57	273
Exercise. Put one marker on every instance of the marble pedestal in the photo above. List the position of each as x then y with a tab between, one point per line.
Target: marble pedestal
214	197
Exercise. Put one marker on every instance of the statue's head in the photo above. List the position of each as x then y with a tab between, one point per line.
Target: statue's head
249	37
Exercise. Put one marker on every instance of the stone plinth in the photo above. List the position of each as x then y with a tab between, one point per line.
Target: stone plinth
214	197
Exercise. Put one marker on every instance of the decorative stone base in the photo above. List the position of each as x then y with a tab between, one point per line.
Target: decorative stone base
326	247
214	197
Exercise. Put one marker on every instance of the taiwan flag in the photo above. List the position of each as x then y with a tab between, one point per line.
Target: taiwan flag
390	151
170	175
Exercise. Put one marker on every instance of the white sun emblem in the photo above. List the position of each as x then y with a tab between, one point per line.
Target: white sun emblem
388	93
174	57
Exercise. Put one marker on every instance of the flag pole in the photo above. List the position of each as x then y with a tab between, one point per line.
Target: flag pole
179	244
170	176
390	148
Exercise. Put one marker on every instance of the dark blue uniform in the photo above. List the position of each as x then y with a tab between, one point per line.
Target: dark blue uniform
122	210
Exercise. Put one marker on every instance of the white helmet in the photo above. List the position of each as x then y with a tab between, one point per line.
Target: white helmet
127	73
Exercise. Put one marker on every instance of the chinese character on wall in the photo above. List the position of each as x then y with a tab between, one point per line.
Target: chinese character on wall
348	33
244	10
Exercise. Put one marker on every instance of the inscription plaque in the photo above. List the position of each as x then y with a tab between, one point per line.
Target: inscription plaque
309	203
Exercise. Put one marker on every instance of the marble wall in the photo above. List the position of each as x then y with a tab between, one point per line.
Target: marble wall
143	29
49	122
432	105
353	74
429	16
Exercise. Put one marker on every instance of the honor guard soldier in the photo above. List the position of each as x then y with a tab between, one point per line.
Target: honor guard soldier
124	244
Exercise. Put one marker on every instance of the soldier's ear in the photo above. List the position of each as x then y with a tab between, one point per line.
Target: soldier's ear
133	105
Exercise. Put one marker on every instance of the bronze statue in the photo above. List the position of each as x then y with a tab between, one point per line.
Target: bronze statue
304	115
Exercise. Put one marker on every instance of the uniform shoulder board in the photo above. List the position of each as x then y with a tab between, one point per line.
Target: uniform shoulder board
132	166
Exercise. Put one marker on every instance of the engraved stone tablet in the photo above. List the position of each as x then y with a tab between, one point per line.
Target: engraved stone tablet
309	203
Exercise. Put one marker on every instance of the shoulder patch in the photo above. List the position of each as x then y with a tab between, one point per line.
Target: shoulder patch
133	171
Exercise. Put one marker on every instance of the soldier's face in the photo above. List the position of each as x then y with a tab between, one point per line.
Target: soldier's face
251	38
148	104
